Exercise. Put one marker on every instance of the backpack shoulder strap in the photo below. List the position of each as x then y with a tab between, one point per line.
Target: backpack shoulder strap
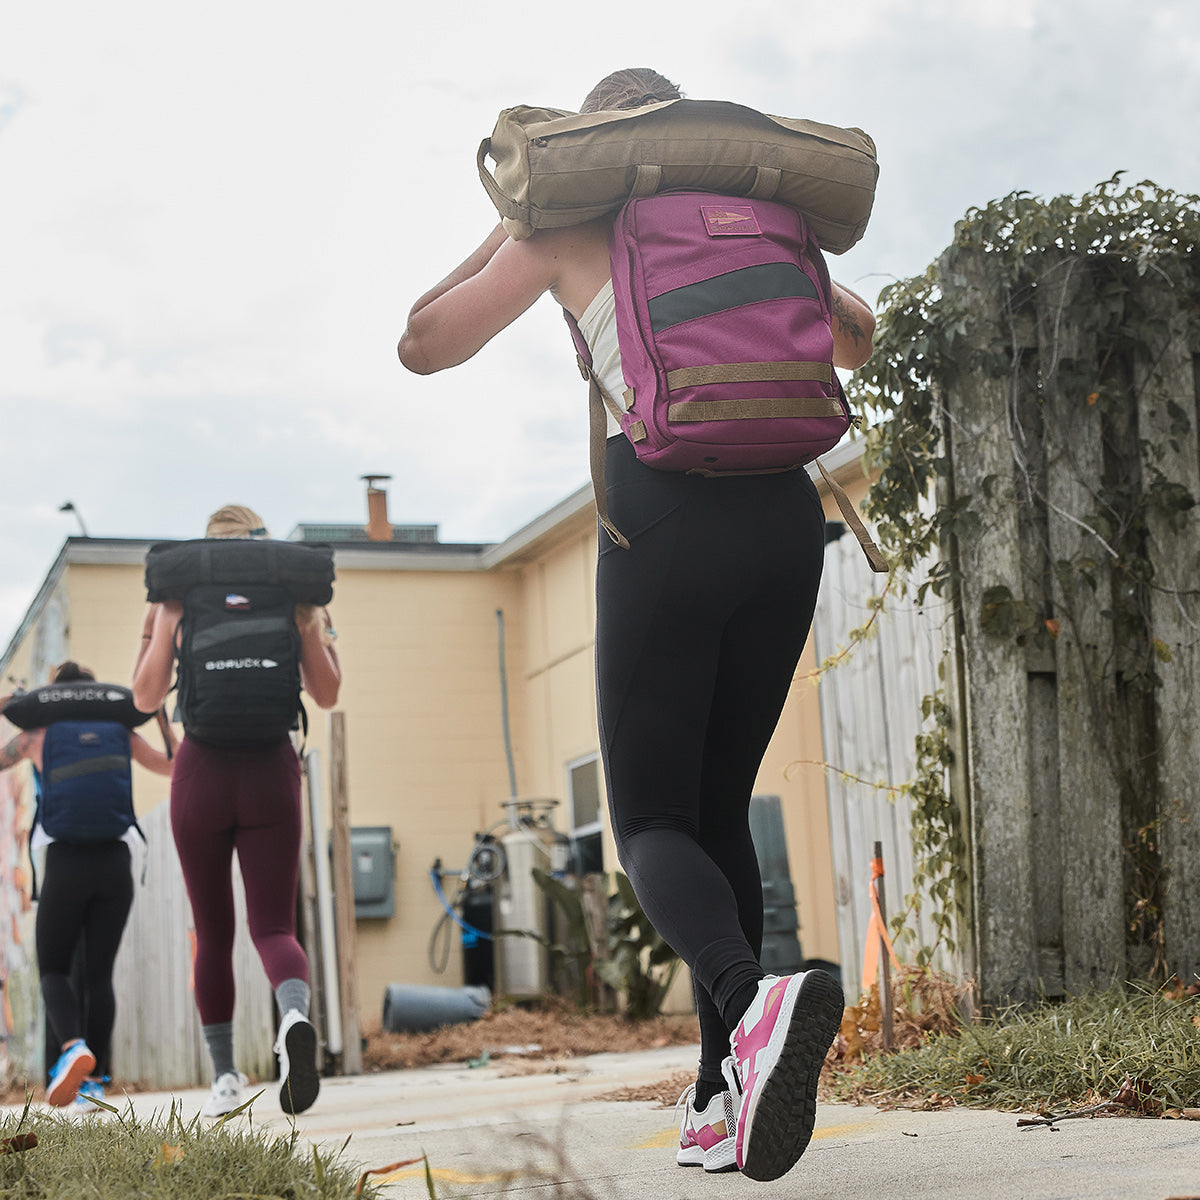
598	401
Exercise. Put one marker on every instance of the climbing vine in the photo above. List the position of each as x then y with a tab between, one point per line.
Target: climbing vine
1132	246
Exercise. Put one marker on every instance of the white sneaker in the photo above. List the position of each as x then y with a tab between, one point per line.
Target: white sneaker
296	1046
226	1094
708	1137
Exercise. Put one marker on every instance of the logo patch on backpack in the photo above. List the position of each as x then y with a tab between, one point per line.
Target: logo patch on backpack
237	603
730	220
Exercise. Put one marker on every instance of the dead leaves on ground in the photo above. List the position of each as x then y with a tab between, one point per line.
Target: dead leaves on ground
923	1003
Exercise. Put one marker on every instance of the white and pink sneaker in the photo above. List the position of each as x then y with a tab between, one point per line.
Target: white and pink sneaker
778	1048
707	1136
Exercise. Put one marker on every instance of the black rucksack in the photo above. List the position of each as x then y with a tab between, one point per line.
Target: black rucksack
239	664
239	652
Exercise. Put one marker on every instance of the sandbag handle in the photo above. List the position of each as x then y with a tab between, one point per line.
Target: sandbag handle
647	180
766	183
507	208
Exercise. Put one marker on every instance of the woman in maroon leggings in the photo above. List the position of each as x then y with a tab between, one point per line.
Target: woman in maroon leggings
247	799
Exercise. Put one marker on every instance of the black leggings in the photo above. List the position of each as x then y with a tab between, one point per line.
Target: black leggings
86	894
699	626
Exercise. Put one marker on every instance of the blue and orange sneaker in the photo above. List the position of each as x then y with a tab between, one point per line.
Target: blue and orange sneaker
778	1049
707	1137
90	1090
74	1065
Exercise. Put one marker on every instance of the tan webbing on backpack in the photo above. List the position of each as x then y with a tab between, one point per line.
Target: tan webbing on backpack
846	505
556	168
599	402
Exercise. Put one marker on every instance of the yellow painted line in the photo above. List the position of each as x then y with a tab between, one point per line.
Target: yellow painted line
669	1137
660	1141
828	1131
448	1175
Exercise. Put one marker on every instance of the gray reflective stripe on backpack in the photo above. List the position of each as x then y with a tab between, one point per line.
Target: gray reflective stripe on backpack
752	372
752	409
239	627
88	766
748	285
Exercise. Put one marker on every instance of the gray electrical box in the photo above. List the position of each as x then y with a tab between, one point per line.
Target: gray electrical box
373	870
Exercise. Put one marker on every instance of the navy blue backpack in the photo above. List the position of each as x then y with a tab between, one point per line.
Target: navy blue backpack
86	788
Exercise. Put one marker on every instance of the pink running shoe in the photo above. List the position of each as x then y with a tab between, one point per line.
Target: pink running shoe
707	1136
778	1047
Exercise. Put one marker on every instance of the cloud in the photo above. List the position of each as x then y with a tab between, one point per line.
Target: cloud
214	222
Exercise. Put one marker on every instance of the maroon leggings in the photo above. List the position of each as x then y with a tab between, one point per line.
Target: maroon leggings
249	800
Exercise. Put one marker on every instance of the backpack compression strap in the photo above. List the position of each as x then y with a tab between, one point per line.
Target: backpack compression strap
854	521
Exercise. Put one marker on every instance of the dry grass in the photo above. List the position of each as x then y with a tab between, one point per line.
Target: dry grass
550	1032
1137	1047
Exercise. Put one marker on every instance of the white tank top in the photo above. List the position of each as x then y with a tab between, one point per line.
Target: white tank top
599	328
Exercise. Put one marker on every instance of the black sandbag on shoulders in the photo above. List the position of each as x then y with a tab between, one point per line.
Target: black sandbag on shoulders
79	700
304	569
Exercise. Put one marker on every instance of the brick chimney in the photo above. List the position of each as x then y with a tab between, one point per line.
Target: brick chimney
379	527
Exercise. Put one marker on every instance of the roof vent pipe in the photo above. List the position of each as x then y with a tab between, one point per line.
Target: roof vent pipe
379	526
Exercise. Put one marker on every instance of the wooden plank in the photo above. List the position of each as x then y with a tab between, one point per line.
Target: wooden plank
829	627
995	704
1171	376
870	716
343	894
1047	832
1089	791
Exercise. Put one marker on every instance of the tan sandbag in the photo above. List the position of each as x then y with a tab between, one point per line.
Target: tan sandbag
556	168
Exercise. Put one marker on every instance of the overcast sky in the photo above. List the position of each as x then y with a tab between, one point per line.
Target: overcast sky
213	220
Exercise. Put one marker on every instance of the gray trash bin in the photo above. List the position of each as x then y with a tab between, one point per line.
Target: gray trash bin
410	1008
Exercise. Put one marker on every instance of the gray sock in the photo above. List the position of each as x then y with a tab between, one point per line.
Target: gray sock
292	993
219	1039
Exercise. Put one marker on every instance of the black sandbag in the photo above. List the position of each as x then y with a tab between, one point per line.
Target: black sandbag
305	569
78	700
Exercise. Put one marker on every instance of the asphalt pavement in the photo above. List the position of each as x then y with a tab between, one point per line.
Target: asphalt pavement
511	1127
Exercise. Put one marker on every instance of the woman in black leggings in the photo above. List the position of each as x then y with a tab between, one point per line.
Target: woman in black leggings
84	900
699	626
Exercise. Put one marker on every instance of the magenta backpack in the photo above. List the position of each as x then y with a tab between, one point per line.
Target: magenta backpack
723	321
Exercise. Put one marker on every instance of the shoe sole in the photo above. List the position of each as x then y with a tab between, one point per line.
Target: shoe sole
781	1126
64	1089
300	1087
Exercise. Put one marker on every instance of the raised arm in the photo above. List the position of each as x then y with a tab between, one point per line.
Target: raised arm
320	670
26	745
155	662
853	328
145	755
484	294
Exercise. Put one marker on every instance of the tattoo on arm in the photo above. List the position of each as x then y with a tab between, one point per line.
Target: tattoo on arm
14	751
851	325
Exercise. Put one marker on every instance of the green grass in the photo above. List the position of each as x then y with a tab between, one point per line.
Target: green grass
1052	1057
118	1157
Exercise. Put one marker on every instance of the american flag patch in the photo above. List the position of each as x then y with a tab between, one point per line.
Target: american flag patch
236	602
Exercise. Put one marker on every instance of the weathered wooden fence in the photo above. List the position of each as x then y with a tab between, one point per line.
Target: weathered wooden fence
157	1040
870	717
1079	779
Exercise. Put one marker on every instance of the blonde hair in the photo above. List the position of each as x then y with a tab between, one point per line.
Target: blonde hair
235	521
630	88
238	521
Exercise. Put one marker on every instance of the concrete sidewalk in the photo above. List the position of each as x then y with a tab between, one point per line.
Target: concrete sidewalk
492	1130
